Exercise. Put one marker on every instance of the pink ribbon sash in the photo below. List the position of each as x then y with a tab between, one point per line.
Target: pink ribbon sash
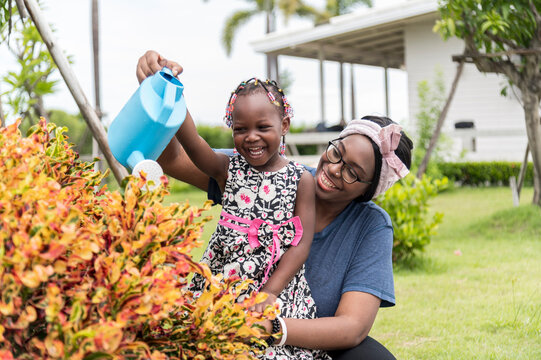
289	232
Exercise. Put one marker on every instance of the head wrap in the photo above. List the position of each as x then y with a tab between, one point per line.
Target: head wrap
387	139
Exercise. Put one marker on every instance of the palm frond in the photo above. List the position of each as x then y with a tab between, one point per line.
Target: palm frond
232	24
340	7
297	8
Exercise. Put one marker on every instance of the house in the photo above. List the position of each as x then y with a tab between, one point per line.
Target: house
401	37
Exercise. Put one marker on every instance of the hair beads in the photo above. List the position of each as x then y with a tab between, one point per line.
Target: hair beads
251	85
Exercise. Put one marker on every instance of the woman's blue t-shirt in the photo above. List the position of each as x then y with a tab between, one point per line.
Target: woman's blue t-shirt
353	253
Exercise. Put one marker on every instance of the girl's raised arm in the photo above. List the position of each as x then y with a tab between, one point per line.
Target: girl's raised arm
211	163
176	163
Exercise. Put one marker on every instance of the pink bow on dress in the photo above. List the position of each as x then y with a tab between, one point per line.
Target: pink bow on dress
288	232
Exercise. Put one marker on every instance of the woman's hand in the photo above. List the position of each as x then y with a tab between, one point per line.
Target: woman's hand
152	62
270	300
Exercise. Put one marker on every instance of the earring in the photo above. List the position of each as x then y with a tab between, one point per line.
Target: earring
283	146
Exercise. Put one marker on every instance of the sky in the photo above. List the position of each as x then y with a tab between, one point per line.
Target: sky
189	32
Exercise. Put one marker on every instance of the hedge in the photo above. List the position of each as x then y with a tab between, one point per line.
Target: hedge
485	173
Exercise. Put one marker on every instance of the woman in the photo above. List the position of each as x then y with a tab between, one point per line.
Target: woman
349	267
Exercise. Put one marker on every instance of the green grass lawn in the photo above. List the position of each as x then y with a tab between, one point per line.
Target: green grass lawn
197	198
476	291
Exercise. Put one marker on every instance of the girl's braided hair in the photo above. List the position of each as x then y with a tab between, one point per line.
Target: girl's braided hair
269	87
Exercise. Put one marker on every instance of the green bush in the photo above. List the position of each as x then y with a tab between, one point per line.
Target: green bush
485	173
407	204
303	149
217	137
78	131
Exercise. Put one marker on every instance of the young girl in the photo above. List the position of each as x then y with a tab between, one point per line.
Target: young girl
267	220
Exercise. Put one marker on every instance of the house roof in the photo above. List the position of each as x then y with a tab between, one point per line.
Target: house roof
371	37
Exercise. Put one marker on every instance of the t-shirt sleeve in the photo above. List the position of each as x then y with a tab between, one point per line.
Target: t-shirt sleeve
371	269
214	193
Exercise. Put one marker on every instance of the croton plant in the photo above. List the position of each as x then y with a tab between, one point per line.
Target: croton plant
88	273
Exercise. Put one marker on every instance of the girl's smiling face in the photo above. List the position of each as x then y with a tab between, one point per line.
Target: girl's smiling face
257	130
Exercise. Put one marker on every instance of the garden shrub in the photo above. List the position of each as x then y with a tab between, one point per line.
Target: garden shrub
218	137
485	173
406	202
88	274
304	149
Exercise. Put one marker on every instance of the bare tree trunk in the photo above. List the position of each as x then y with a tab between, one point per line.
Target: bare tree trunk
2	117
441	120
96	55
533	129
71	81
39	107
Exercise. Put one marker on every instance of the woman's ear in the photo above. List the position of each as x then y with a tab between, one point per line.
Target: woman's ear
286	121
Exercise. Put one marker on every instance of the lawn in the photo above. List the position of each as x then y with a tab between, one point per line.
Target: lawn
476	291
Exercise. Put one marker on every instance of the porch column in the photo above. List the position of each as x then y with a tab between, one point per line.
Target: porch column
322	85
386	75
352	84
342	117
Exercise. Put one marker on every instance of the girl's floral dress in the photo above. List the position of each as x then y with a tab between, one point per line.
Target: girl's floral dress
257	225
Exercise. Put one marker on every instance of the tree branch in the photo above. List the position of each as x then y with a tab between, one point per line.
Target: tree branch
532	51
21	8
535	13
486	63
505	41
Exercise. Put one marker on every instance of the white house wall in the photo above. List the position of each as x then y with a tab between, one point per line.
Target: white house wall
477	98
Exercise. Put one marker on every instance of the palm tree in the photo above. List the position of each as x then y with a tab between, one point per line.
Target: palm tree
332	8
341	7
288	8
268	7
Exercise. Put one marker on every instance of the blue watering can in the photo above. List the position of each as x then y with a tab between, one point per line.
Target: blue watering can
146	124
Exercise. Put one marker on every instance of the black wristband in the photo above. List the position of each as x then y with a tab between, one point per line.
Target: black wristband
276	327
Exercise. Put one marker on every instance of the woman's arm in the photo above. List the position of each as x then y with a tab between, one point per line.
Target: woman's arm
346	329
349	326
292	260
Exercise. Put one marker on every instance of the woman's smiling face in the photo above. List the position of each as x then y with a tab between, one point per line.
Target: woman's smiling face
358	153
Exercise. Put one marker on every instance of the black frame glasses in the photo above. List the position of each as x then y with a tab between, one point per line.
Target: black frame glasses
331	153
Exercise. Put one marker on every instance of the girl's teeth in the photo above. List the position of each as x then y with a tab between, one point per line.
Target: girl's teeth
256	151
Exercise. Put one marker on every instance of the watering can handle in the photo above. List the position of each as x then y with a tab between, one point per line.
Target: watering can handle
169	96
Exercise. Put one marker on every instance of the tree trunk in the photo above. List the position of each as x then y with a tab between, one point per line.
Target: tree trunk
96	56
2	117
39	107
533	129
88	112
441	120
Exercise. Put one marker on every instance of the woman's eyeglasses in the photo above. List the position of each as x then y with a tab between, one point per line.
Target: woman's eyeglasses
335	156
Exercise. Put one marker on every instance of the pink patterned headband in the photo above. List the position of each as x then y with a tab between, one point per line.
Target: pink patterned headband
387	139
